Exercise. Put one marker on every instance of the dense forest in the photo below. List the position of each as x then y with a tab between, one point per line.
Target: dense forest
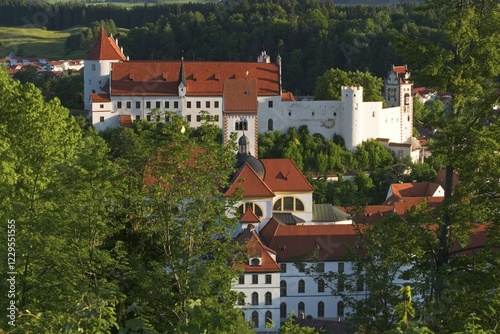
310	36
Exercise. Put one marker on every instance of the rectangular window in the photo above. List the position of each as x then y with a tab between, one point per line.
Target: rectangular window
270	104
341	267
137	118
241	279
93	67
148	117
188	118
101	106
188	104
320	267
283	267
207	104
268	279
137	104
129	104
90	81
119	104
198	118
167	104
198	104
255	279
216	118
216	104
176	104
288	203
158	104
101	119
148	104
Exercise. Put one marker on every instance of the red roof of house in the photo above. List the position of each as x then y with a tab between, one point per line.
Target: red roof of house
99	98
283	175
249	217
240	96
414	189
256	248
400	70
329	242
288	97
126	121
251	184
105	48
139	78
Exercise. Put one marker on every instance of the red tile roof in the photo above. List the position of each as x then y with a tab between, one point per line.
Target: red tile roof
288	97
414	189
251	184
283	175
256	248
329	242
249	217
105	48
126	121
138	78
240	96
99	98
400	70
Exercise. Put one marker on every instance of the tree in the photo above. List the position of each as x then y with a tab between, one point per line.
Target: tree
328	86
371	155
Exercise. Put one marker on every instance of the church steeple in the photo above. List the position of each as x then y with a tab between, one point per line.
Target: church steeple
244	145
182	79
105	48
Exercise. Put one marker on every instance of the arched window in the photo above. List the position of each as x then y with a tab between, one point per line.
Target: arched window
288	204
340	309
241	124
249	205
255	319
241	299
255	298
270	125
255	262
302	286
321	286
321	310
283	288
283	310
268	298
302	310
269	317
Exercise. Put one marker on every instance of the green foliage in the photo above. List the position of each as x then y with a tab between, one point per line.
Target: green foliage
291	327
329	84
371	155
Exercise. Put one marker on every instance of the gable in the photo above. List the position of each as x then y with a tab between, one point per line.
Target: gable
283	175
250	183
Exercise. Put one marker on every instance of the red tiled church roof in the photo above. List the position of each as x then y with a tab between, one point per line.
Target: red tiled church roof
256	248
161	78
249	217
240	96
283	175
105	48
251	184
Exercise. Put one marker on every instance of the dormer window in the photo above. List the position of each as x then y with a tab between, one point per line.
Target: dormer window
255	261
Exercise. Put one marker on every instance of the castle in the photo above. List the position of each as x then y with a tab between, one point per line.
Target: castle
241	97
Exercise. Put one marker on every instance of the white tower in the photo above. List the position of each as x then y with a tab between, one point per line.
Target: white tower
352	118
97	66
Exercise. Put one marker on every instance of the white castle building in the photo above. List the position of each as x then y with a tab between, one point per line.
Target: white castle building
240	97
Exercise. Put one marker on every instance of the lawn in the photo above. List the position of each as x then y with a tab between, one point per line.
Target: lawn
33	41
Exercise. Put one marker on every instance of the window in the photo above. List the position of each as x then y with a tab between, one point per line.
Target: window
207	104
255	279
268	279
93	67
241	299
129	104
176	104
255	298
321	310
283	310
341	267
198	118
167	104
288	204
321	286
119	104
320	267
148	118
255	208
216	104
340	309
302	286
270	126
137	117
198	104
148	104
268	298
241	279
269	318
158	104
255	262
270	104
302	310
283	288
360	284
188	104
340	284
137	104
255	319
100	83
90	82
216	118
241	125
101	119
283	267
101	106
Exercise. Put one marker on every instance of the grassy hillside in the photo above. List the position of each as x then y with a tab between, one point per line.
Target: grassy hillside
37	42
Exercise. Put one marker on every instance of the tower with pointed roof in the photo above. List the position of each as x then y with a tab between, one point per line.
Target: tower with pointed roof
97	66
